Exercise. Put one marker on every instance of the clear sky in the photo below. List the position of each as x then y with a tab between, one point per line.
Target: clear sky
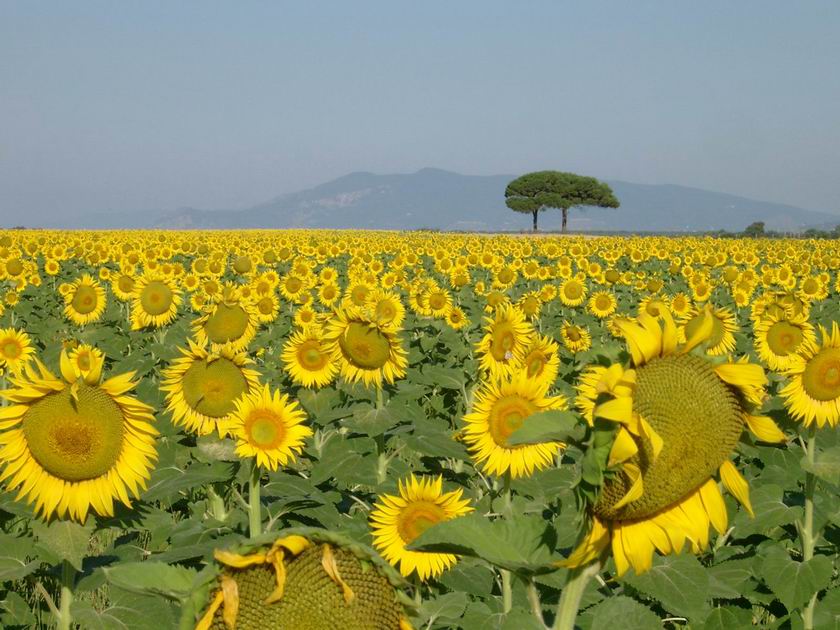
128	106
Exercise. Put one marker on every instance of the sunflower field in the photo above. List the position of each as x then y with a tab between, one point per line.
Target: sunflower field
370	430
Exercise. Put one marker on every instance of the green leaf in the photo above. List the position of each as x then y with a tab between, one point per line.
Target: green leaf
172	581
64	540
14	552
795	582
371	421
447	378
347	461
770	512
622	612
16	612
168	481
547	426
826	466
125	611
518	544
827	610
447	607
727	579
729	618
680	583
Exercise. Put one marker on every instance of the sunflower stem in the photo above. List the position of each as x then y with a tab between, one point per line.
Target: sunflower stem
572	592
507	591
254	515
807	530
68	574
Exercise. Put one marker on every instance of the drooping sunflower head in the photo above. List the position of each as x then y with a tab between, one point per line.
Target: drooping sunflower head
501	407
15	350
84	302
202	387
507	336
365	349
679	414
75	443
397	520
155	302
307	358
812	394
307	579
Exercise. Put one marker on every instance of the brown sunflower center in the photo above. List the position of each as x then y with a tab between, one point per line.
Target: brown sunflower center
700	422
293	284
85	299
365	346
503	341
573	290
264	429
14	267
265	306
602	302
417	517
507	415
126	284
227	323
156	298
821	378
783	338
83	361
573	333
535	363
11	349
437	301
76	439
311	357
212	388
385	310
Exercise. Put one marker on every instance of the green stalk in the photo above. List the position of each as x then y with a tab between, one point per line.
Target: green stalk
570	597
254	515
507	512
68	575
806	532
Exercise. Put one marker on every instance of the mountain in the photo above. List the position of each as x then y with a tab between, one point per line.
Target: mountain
438	199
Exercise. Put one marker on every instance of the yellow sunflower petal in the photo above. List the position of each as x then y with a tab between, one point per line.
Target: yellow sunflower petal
736	484
765	429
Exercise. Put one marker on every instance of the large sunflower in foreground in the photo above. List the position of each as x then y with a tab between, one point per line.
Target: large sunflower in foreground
779	337
84	302
397	520
15	349
813	393
366	350
75	443
507	336
308	359
155	302
308	579
202	387
501	407
680	413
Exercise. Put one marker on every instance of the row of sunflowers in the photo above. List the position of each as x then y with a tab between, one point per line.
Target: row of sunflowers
309	429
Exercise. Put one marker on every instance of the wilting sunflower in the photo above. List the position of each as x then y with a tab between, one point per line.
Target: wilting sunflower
365	350
306	578
202	388
778	339
267	426
308	359
680	414
75	443
229	323
155	302
813	393
506	339
501	407
542	360
397	520
724	326
85	301
15	350
575	338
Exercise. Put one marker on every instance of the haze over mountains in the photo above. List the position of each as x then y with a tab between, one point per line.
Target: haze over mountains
438	199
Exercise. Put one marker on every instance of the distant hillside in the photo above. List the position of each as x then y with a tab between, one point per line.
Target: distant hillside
433	198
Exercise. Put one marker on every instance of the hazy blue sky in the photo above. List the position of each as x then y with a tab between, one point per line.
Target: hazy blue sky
132	105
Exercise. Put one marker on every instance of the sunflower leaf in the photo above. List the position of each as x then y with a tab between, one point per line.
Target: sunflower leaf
795	582
172	581
548	426
64	540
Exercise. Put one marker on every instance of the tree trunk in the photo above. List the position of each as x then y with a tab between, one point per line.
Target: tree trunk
535	220
565	218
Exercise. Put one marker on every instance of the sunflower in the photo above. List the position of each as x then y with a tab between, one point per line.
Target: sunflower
364	349
506	338
602	304
75	443
123	285
84	358
778	339
501	407
680	414
267	307
267	426
438	302
397	520
813	392
457	318
305	578
542	360
573	292
202	388
155	302
85	301
724	326
305	316
575	338
308	359
15	350
229	323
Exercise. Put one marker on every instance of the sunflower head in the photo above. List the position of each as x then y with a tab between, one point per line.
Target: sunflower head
306	578
812	394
